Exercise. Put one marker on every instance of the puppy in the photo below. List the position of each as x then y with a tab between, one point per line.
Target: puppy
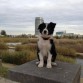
46	50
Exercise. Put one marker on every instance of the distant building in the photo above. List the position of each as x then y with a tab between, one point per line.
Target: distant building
69	34
60	33
38	20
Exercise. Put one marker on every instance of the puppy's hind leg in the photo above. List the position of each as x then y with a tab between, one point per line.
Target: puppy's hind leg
41	63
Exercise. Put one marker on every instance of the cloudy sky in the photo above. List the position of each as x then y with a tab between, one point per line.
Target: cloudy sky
18	16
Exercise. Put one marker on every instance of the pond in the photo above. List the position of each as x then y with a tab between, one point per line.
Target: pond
12	46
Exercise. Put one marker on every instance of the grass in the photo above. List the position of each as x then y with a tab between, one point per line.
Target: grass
8	65
3	71
79	55
65	59
75	44
15	57
3	46
69	52
66	48
21	57
23	53
18	39
31	47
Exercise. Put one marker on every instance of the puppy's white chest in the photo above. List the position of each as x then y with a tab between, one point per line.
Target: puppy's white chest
44	46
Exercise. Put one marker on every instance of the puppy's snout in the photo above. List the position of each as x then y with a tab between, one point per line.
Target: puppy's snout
45	32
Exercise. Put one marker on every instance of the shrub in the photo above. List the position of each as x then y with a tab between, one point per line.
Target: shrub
65	59
33	40
78	47
19	48
79	55
66	51
19	57
15	58
66	41
27	47
10	39
3	71
3	46
33	55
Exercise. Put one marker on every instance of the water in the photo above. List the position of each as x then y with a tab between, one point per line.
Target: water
12	46
80	61
11	50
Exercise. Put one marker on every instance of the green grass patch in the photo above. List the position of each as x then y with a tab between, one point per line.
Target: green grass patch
3	71
30	47
69	52
18	57
3	46
66	48
65	59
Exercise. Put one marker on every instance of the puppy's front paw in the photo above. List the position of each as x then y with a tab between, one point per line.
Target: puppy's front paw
37	63
49	66
54	64
40	65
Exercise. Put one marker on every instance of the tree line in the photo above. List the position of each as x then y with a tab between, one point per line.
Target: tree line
3	32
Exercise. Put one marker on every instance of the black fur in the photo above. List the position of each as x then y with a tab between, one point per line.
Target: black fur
41	27
50	28
38	52
53	50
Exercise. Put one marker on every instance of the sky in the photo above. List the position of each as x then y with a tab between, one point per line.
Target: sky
18	16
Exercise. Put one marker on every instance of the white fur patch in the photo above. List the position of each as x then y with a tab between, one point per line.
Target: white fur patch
44	46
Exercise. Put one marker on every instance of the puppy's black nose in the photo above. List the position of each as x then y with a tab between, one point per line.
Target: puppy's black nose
45	31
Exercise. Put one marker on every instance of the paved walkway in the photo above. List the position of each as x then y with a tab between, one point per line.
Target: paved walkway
81	80
3	80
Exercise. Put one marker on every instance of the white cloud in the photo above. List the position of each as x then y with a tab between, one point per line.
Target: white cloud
22	13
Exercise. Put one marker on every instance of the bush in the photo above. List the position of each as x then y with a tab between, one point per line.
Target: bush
10	39
78	47
66	51
66	41
19	48
3	46
65	59
33	40
27	47
19	57
3	71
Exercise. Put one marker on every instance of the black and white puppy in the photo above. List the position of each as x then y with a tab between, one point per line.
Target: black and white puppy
46	51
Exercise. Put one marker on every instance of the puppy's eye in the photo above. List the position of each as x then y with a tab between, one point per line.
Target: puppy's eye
42	26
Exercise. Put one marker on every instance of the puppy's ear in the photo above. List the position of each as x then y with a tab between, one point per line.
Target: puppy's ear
41	26
52	24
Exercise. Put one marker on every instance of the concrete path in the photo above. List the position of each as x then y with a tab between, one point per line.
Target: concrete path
80	62
3	80
81	80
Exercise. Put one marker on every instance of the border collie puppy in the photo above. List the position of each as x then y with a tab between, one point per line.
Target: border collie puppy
46	50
